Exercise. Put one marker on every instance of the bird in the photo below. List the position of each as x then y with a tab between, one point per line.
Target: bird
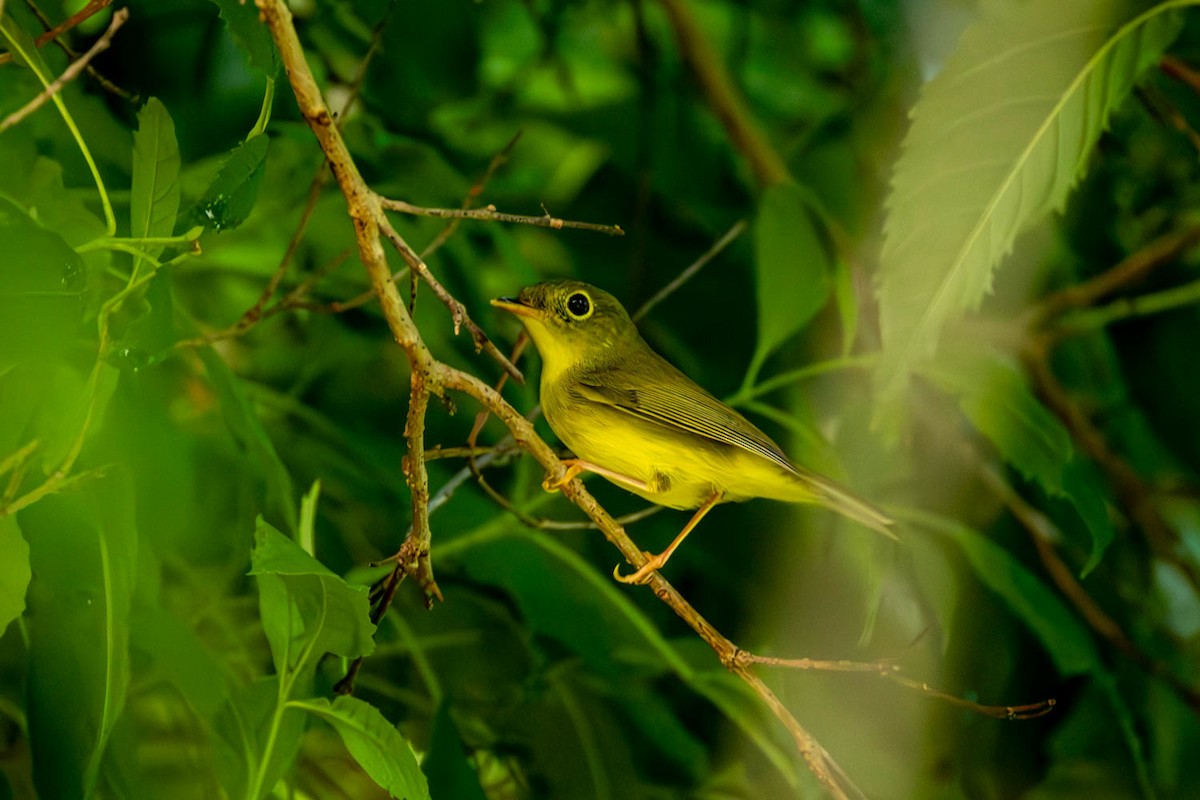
630	416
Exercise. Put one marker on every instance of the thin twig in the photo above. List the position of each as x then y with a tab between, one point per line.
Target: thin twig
1133	268
690	271
69	74
1181	71
1044	534
433	377
458	312
490	214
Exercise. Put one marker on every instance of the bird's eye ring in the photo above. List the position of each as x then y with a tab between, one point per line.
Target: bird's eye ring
579	306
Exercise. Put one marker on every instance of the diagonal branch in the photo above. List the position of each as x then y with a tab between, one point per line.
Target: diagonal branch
433	377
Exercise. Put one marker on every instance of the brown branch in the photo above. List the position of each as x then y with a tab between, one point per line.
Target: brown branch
714	80
53	32
1133	268
1180	71
69	74
1044	534
433	377
490	214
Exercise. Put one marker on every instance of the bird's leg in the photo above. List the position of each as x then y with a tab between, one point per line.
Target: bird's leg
578	465
655	562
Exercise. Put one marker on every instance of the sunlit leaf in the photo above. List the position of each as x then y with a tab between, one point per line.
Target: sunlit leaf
375	743
42	282
998	139
14	571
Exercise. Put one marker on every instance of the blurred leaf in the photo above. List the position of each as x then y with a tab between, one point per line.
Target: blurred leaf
83	552
791	268
14	571
306	609
179	657
42	281
231	196
847	304
1065	638
446	766
988	155
154	198
995	398
375	743
247	429
251	34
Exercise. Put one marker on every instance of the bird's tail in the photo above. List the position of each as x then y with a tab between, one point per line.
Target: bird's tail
830	494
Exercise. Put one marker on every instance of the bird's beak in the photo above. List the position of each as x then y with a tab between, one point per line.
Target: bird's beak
514	306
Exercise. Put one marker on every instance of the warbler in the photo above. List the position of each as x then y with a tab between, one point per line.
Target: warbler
629	415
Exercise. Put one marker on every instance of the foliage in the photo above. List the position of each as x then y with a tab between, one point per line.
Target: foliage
187	339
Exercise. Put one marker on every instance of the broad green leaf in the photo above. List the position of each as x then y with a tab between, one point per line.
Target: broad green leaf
449	772
14	572
154	199
306	609
251	34
231	196
83	552
998	139
42	283
993	395
375	743
791	267
1065	638
847	304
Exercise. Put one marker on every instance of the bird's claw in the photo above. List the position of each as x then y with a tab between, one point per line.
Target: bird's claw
642	574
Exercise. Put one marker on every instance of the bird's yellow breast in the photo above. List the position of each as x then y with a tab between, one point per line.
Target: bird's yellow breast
682	469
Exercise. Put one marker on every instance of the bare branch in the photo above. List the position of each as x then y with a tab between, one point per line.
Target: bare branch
490	214
69	74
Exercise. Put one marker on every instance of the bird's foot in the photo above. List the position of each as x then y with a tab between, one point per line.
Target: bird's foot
642	574
574	467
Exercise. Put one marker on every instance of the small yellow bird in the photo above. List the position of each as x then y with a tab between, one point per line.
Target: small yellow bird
630	416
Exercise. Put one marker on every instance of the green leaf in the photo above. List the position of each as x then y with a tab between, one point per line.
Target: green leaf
791	267
375	743
83	552
847	304
998	139
449	772
42	283
247	429
1065	638
251	34
231	196
154	199
306	609
14	572
993	395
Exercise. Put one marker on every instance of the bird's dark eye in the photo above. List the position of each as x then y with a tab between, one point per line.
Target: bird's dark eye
579	306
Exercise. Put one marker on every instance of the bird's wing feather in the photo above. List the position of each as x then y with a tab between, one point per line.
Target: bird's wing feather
677	403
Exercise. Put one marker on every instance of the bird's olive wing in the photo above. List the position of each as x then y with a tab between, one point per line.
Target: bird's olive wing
675	401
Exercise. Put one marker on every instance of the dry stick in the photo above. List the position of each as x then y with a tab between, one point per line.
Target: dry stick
458	312
473	194
709	71
433	377
1181	71
52	33
738	228
1044	533
490	214
69	74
